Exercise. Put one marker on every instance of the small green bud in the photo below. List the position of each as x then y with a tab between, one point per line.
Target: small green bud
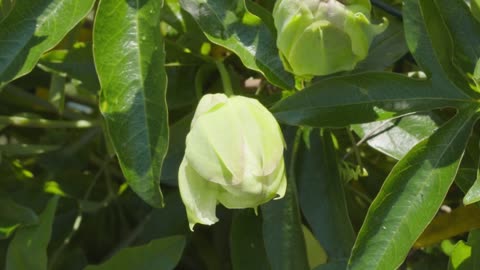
321	37
233	156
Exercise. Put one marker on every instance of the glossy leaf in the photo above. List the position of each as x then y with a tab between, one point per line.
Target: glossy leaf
161	253
32	28
13	215
281	220
432	44
362	98
322	198
129	57
246	242
28	248
229	24
464	29
411	196
395	137
473	194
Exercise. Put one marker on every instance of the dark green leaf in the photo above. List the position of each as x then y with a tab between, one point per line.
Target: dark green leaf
76	63
129	56
322	198
176	149
6	7
463	28
229	24
432	45
13	215
32	28
282	228
167	221
28	248
362	98
161	253
411	196
386	48
246	242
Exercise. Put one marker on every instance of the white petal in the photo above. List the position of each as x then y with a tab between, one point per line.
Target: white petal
207	102
198	195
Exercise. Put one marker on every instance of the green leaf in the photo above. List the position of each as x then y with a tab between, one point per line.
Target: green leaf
6	7
13	215
463	28
395	137
362	98
460	254
473	194
76	63
322	198
282	228
466	256
161	253
228	23
28	248
33	27
315	252
133	82
246	242
411	196
176	149
386	48
432	45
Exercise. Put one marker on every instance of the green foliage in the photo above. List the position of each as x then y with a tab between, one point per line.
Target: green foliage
97	99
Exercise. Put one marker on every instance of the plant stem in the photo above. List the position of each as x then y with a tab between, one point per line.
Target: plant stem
226	82
388	8
21	121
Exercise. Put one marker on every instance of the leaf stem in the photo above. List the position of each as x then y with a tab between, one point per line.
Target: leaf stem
226	82
355	148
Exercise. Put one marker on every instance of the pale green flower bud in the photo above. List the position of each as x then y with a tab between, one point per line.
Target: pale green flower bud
321	37
233	156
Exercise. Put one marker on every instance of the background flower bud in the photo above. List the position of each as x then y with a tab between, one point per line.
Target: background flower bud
320	37
233	156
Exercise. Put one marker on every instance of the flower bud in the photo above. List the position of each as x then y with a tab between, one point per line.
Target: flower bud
321	37
233	156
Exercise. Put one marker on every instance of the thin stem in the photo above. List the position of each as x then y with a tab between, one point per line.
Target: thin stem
20	121
226	82
360	194
355	147
388	8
